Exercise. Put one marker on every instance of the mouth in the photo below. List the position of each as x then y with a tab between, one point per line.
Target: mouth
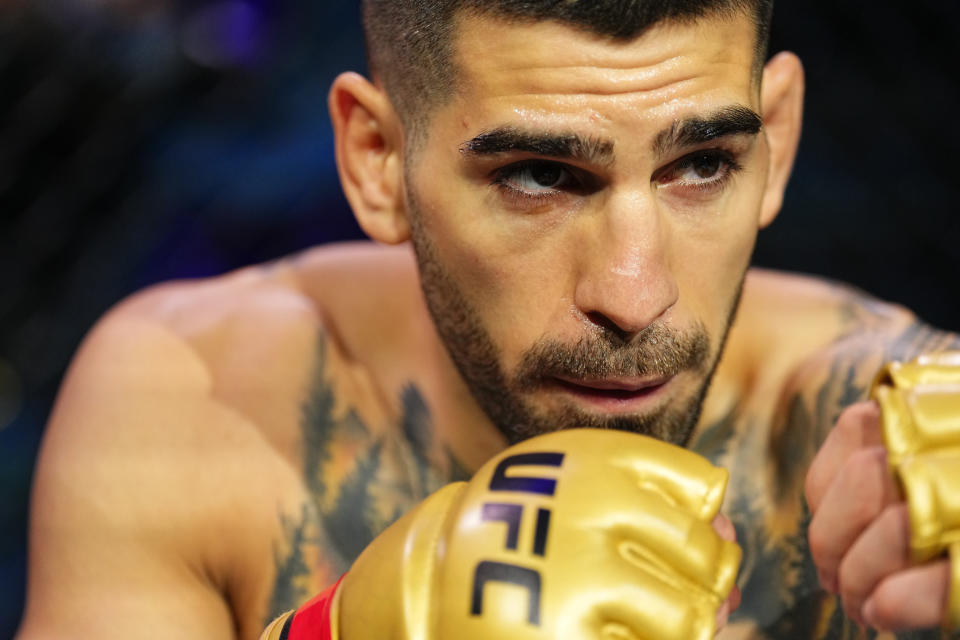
615	395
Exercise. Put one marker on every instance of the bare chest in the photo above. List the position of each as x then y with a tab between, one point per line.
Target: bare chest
361	464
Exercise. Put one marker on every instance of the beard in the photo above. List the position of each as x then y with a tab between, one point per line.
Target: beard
658	351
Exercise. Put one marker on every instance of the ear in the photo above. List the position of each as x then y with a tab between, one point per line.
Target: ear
368	139
781	100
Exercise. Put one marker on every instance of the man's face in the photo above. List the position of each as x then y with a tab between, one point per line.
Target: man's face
583	214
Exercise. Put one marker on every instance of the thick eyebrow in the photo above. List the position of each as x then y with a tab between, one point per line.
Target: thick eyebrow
728	121
565	146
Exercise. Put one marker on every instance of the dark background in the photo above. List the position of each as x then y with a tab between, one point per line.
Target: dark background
147	140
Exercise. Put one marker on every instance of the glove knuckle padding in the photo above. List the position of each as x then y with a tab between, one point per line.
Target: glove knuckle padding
920	404
576	534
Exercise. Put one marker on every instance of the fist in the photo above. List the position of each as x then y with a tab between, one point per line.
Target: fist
580	534
860	531
588	534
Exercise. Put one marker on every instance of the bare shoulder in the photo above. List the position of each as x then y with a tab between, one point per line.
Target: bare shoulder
370	294
787	320
173	445
265	299
798	333
253	332
802	349
797	314
259	328
816	322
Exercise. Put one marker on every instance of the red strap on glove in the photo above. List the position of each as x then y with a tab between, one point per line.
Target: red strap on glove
312	620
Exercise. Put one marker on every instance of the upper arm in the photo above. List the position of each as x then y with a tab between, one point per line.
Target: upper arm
120	493
812	349
868	334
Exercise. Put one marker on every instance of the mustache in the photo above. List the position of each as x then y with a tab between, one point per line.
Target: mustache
657	351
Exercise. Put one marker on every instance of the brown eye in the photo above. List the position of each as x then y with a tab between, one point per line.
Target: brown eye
537	177
699	169
546	175
706	166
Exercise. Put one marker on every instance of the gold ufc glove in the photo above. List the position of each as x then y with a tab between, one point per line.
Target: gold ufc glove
580	534
920	402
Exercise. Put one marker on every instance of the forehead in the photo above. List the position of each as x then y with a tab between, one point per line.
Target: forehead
551	71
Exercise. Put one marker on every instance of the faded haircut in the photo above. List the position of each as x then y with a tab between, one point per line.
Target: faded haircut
410	42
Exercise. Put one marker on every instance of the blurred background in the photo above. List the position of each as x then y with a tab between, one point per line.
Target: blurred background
143	140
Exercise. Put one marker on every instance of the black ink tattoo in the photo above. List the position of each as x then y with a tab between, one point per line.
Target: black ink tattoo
782	597
417	430
359	480
292	566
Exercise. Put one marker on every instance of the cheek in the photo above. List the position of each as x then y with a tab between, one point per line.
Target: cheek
710	257
510	270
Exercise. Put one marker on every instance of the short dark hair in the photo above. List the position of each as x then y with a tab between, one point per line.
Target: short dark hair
410	42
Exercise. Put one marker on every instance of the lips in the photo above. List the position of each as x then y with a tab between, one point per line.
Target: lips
616	391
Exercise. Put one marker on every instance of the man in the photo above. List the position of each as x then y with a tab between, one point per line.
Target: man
581	185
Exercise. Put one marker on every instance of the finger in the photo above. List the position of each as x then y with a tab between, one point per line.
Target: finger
729	606
858	427
862	489
882	550
689	545
724	528
915	598
723	614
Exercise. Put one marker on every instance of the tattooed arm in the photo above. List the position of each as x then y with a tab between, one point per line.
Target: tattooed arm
816	348
822	405
871	333
860	530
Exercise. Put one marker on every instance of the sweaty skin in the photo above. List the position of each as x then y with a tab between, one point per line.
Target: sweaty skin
221	450
609	248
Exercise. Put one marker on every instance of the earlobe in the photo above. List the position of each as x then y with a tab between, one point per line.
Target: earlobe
782	106
369	156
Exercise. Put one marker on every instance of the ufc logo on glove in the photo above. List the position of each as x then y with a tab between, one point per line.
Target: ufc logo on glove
571	535
512	515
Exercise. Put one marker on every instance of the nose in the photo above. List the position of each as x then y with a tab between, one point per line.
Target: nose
626	281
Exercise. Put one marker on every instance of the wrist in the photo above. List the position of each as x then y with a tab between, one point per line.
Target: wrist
315	620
